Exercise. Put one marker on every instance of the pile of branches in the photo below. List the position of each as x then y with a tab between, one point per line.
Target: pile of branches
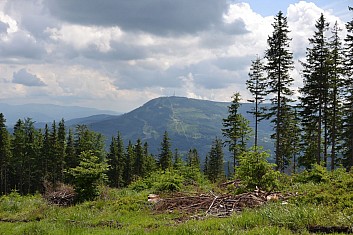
61	195
221	206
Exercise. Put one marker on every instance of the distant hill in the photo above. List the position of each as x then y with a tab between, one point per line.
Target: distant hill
47	112
190	123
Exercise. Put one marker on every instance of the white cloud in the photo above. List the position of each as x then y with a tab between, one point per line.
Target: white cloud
100	59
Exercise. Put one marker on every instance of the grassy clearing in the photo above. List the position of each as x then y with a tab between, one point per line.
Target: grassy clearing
326	201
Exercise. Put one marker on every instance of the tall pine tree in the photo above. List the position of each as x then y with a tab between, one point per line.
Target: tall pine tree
165	155
257	86
279	64
348	105
5	156
314	95
235	129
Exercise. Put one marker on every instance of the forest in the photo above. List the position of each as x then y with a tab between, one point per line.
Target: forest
312	134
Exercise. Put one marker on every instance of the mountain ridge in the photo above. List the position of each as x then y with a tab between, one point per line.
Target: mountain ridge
190	123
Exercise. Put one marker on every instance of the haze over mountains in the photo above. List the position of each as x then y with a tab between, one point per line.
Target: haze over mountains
190	123
47	112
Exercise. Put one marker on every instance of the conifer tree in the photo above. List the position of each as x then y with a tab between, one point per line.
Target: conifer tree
335	94
314	94
348	105
61	150
193	159
5	156
45	154
71	159
165	156
139	165
236	129
18	155
215	166
290	140
54	160
116	162
279	64
178	162
129	158
257	86
87	140
88	175
151	163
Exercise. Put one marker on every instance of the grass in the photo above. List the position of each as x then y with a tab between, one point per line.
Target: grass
325	201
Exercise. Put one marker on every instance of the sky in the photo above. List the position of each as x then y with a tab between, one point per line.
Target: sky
118	54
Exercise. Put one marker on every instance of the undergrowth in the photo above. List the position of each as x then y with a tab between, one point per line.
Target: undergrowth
322	199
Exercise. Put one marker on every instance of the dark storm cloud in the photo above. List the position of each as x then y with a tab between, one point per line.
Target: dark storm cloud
25	78
131	77
159	17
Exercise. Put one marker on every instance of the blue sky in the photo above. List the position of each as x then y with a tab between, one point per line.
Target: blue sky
118	54
271	7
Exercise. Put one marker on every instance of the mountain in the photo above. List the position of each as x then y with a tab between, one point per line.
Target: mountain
190	123
46	112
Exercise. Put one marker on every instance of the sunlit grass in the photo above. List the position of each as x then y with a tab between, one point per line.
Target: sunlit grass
125	211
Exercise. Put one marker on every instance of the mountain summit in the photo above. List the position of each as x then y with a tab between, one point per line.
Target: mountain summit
190	123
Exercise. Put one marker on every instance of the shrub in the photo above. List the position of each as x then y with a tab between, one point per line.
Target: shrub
87	176
169	180
255	171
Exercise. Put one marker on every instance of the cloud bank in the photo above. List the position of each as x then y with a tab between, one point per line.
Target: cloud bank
118	54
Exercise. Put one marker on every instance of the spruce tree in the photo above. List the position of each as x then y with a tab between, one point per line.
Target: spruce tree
151	163
257	86
279	64
193	159
45	154
139	165
129	158
112	164
236	129
5	156
348	105
116	162
165	155
71	160
215	165
61	150
120	157
314	94
178	161
18	155
335	94
54	160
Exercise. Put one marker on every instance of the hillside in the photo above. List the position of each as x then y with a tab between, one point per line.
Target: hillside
190	123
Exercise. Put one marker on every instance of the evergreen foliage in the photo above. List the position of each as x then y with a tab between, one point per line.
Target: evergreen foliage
255	171
236	129
5	156
257	86
116	162
88	175
215	166
315	92
348	97
279	64
165	156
